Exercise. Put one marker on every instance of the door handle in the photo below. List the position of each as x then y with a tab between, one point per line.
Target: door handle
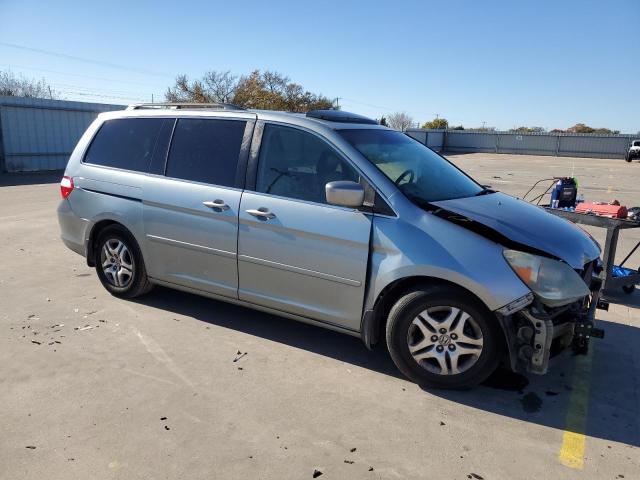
219	204
261	212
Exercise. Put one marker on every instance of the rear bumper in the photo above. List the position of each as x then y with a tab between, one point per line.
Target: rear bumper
73	229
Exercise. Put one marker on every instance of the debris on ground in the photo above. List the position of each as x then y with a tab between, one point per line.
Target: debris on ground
353	449
36	342
316	473
86	327
350	462
163	418
442	424
371	469
239	355
166	427
476	476
30	447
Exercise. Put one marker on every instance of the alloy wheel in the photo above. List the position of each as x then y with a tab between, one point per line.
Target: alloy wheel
117	263
445	340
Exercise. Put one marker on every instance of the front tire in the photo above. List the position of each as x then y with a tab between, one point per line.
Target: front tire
119	263
442	337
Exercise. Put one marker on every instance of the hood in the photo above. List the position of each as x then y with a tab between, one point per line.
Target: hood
527	224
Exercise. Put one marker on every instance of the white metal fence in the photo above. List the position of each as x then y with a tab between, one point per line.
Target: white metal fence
559	144
39	134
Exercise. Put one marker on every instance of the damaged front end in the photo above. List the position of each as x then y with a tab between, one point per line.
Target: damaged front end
559	263
537	329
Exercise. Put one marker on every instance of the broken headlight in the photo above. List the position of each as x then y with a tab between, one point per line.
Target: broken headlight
554	282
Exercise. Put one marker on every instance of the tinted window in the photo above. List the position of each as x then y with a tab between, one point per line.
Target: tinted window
205	150
297	164
125	143
421	174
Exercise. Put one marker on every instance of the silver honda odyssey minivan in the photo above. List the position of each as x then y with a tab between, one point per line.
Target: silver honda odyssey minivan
330	219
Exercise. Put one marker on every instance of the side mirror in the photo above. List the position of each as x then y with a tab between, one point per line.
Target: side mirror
345	193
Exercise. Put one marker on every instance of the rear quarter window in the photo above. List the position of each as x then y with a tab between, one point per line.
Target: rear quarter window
126	143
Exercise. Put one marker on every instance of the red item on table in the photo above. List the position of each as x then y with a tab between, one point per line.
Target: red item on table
602	209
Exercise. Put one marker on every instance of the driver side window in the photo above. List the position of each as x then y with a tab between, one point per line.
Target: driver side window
297	164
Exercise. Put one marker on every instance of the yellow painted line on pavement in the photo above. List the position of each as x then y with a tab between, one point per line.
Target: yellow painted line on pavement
574	438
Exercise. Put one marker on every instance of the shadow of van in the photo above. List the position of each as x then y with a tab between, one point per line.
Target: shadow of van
608	381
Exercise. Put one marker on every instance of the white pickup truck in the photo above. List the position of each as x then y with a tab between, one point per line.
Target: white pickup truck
634	151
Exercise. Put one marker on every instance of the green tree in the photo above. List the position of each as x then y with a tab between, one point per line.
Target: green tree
528	130
437	124
261	90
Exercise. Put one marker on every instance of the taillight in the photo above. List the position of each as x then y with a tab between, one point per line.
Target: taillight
66	186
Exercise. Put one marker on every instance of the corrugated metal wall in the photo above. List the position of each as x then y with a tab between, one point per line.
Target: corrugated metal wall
563	144
39	134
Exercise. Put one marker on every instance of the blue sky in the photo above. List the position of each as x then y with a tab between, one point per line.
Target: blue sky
507	63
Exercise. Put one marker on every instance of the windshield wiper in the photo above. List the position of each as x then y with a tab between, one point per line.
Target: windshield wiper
485	191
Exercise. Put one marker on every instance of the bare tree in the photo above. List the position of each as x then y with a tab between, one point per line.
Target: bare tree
221	86
13	86
400	121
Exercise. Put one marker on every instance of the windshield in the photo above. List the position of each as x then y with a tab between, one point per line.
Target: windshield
420	173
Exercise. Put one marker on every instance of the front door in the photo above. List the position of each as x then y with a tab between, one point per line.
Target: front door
191	213
296	253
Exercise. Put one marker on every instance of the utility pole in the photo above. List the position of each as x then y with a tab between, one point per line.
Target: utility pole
483	123
50	94
152	98
337	107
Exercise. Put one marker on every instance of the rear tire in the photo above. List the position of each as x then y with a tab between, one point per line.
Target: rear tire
628	289
628	157
443	337
119	264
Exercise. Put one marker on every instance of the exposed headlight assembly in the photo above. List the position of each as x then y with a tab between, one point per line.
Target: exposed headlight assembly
554	282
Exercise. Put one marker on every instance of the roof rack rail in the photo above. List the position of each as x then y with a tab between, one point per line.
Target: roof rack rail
340	116
180	106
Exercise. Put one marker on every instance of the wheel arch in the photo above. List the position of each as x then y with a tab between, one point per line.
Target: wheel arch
95	232
375	320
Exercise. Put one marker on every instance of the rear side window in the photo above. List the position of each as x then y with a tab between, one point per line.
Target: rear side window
206	150
125	143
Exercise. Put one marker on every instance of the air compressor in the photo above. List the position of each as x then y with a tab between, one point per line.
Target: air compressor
564	193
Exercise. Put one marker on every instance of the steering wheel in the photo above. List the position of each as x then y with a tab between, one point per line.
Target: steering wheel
409	173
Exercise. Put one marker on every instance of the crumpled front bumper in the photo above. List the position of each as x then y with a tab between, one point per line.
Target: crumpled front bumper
535	333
